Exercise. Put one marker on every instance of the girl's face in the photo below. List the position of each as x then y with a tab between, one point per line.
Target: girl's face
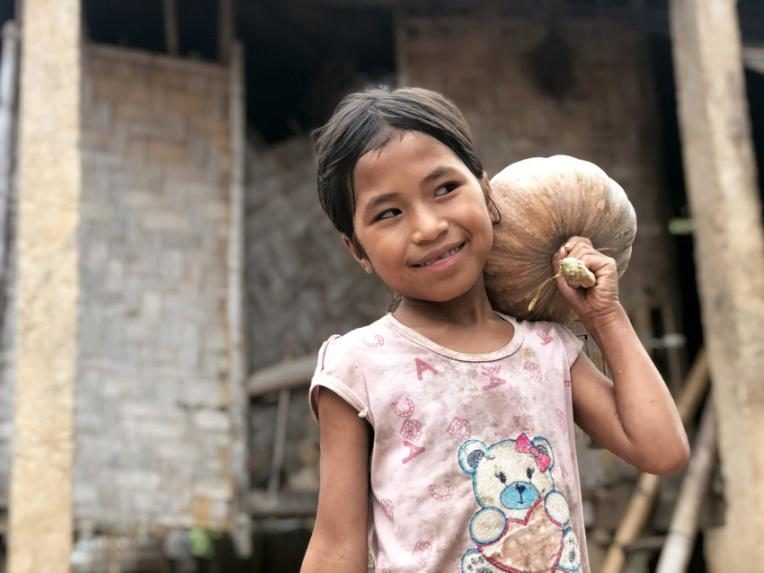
422	219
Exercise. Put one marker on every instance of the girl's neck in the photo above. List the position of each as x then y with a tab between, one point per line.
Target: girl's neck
470	309
466	324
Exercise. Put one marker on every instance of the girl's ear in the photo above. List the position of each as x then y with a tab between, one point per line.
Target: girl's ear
485	183
358	254
493	209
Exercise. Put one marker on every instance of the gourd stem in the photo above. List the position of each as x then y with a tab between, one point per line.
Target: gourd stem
538	292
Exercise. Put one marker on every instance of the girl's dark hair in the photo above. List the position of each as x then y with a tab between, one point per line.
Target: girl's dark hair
367	121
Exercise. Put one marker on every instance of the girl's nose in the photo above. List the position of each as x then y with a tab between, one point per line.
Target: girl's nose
428	229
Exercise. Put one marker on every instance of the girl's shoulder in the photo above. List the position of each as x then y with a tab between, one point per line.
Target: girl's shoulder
357	336
553	336
343	365
352	345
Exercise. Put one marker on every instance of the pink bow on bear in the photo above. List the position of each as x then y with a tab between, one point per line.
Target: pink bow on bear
525	446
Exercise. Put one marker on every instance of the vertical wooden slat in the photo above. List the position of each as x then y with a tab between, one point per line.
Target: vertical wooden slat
674	345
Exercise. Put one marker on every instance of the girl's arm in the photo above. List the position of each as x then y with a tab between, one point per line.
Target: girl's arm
633	415
339	542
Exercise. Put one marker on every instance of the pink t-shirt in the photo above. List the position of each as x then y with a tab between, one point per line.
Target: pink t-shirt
473	464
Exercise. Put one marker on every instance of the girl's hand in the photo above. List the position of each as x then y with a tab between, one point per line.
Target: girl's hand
600	301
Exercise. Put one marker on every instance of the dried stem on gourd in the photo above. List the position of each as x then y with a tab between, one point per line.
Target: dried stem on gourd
575	273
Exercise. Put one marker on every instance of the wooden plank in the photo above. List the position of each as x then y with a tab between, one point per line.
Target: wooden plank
720	173
279	442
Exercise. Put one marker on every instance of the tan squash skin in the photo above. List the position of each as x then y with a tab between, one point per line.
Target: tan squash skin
543	202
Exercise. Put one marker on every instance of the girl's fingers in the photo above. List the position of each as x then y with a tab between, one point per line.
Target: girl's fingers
573	242
581	248
595	261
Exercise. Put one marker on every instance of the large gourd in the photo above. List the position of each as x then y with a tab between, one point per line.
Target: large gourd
543	202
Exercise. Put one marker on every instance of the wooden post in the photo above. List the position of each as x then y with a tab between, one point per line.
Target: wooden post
729	250
40	527
239	399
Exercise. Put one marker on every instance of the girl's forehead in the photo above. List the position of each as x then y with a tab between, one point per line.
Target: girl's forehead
412	154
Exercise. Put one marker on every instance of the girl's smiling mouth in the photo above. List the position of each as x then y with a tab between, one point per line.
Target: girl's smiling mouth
440	258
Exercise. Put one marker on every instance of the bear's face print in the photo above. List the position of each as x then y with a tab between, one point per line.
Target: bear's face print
510	475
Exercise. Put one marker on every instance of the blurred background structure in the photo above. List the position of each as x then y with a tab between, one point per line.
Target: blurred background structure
168	274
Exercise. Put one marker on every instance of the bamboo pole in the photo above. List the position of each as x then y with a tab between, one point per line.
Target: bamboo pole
644	493
684	523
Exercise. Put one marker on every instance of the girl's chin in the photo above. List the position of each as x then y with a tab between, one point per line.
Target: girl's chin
451	293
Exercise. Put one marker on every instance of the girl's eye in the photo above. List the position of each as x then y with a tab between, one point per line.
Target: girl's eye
387	214
445	189
502	477
529	473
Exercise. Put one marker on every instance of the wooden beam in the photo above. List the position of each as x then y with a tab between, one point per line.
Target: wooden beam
721	180
171	27
50	179
290	374
260	504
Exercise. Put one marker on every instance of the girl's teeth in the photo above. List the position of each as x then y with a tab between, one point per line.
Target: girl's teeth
443	256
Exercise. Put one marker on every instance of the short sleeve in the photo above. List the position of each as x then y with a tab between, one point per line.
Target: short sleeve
337	369
571	344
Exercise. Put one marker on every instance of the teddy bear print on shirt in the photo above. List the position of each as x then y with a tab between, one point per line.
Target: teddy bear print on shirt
523	524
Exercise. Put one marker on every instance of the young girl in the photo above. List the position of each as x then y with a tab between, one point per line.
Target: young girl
447	437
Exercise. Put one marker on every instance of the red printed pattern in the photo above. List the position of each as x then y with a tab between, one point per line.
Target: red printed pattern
375	341
442	492
387	507
422	551
493	379
422	367
460	428
410	430
544	336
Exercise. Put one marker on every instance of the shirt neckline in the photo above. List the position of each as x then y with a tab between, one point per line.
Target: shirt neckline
510	348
